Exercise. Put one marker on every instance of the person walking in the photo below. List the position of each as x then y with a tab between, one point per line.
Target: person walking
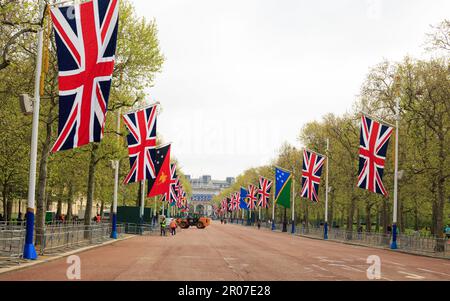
163	226
259	224
173	227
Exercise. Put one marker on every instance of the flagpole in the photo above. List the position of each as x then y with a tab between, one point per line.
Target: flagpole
273	215
293	202
116	187
142	201
325	226
394	221
29	251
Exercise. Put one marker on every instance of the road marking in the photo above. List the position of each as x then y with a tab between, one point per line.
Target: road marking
324	259
430	271
319	267
388	261
411	275
346	267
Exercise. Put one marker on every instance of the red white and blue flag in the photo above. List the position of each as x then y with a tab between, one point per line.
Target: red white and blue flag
86	36
235	198
374	140
311	172
174	188
141	143
251	197
264	192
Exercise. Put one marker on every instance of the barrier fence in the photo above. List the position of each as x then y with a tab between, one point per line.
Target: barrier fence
416	244
58	237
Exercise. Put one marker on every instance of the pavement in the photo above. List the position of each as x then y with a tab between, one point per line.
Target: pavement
234	252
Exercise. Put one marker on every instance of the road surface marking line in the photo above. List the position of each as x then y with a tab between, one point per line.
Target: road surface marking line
430	271
411	275
319	267
346	267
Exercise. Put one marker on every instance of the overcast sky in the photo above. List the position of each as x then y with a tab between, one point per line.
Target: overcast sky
243	76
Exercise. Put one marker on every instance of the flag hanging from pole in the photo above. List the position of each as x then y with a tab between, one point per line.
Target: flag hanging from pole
161	161
85	36
141	143
283	183
373	143
311	172
251	196
243	196
235	201
264	192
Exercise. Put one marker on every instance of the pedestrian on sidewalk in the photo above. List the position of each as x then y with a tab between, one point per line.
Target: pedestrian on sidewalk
173	227
259	224
163	226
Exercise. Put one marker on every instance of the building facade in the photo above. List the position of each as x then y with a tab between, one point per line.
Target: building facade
204	189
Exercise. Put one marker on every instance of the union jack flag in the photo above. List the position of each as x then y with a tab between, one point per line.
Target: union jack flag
374	140
234	204
175	187
224	205
141	143
311	172
251	196
86	36
264	192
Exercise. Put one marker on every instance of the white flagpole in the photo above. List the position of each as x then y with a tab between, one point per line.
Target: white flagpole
142	200
116	186
29	251
259	213
394	221
325	227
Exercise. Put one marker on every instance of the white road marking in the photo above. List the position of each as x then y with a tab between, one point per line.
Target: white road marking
411	275
319	267
346	267
430	271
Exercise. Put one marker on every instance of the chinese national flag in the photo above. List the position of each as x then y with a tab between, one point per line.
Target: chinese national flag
160	184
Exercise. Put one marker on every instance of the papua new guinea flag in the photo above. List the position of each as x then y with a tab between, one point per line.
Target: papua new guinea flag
161	161
283	181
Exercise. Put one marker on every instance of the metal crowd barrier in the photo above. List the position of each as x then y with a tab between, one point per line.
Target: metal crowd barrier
417	244
57	237
12	240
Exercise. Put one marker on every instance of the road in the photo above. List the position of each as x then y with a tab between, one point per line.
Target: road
234	252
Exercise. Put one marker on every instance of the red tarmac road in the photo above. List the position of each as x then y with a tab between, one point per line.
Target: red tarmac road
233	252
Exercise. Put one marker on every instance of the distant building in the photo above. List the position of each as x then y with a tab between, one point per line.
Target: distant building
204	189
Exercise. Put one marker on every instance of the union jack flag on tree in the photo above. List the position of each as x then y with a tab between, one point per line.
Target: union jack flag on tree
264	192
373	143
311	172
251	196
85	36
141	143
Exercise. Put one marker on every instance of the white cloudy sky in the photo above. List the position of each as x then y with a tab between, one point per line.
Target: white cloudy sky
243	76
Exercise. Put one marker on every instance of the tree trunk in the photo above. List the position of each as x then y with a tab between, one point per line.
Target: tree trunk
59	206
102	206
384	216
69	215
368	218
9	209
5	202
416	218
90	185
440	206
